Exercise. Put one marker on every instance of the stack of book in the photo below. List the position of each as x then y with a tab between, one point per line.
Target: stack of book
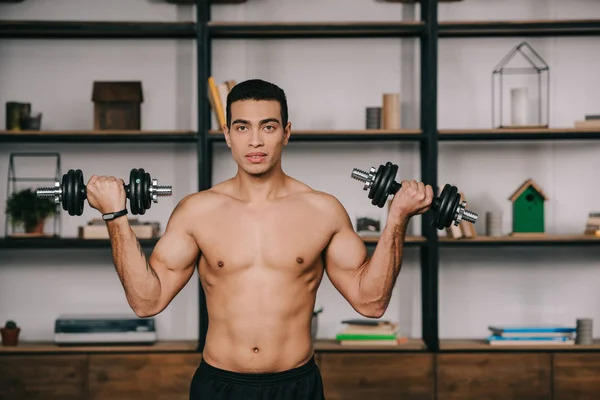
369	332
531	335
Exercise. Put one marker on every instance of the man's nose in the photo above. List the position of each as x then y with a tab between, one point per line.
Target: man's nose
256	139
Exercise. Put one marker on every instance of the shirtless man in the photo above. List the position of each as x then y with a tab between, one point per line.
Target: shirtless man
261	242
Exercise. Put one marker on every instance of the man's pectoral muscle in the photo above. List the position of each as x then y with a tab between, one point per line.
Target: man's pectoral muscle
151	283
365	282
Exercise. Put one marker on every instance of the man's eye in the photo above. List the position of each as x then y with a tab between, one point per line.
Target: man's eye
241	127
269	127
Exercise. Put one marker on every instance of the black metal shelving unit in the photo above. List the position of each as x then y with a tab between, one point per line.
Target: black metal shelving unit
495	29
428	30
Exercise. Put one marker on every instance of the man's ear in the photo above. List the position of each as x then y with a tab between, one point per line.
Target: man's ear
286	133
226	134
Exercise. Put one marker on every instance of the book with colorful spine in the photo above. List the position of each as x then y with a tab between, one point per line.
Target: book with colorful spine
369	332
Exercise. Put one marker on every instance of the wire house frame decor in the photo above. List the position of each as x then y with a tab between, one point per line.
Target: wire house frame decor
528	99
12	188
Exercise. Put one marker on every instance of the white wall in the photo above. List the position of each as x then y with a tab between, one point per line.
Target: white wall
329	83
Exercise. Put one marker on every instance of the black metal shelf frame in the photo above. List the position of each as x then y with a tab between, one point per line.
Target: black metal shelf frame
40	29
547	28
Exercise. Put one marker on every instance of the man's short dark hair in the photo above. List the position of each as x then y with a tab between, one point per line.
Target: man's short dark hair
257	89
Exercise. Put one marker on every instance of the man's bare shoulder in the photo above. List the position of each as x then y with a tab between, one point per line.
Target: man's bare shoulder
326	204
203	202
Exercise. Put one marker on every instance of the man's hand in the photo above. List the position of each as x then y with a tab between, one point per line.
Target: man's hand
106	194
413	198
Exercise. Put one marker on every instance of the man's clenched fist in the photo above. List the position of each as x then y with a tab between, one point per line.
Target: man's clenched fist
413	198
106	193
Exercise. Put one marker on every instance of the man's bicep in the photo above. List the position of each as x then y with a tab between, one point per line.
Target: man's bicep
175	255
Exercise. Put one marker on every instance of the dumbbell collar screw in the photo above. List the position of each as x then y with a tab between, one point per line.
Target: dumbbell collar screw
153	194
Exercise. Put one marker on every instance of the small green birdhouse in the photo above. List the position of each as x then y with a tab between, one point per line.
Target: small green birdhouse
528	208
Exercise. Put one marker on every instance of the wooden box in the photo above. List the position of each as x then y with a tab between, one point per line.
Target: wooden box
117	105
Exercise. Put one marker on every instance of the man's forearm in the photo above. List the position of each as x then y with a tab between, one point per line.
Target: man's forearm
378	275
139	279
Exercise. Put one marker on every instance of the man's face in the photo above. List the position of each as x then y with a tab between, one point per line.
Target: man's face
256	136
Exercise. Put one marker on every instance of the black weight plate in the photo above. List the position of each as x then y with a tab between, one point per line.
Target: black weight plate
455	201
140	183
72	195
132	191
388	184
80	192
146	197
448	206
63	188
385	183
441	202
376	181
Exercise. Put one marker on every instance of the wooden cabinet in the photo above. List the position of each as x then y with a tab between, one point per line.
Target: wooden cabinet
47	377
576	376
377	375
490	376
347	375
141	376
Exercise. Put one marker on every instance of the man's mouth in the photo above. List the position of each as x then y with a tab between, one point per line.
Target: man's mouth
255	157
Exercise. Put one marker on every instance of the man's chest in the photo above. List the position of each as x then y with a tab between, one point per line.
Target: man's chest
274	239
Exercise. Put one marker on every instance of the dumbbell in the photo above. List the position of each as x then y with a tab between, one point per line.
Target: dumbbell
141	191
446	207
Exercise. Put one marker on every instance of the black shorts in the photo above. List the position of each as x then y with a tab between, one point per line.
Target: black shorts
301	383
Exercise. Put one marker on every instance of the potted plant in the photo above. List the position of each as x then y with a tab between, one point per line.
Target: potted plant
10	334
25	208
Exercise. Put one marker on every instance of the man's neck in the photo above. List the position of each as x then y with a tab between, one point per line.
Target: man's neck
260	188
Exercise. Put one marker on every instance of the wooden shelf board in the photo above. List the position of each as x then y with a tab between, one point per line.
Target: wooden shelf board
325	29
413	344
568	133
98	136
480	345
49	347
523	239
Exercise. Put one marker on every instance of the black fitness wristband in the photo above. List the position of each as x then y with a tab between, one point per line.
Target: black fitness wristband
113	215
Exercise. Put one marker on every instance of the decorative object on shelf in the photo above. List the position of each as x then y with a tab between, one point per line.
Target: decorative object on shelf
592	225
368	225
141	191
546	335
390	112
493	223
528	209
584	331
19	117
10	334
23	208
217	97
96	229
447	207
590	121
528	98
373	118
117	105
